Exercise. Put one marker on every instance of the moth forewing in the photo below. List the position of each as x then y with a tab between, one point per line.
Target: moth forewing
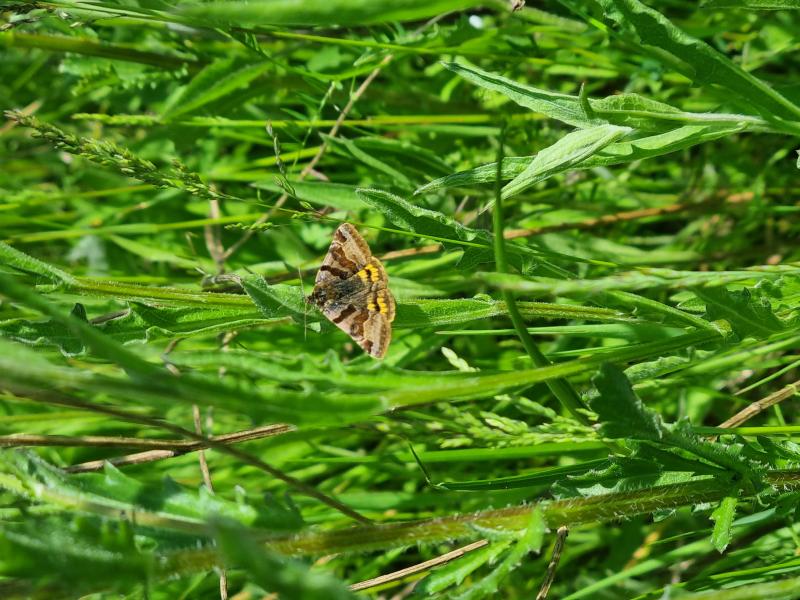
352	291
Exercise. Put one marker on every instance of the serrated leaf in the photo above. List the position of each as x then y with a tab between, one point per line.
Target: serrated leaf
622	414
46	333
163	504
275	300
455	572
748	316
144	323
477	243
723	517
410	217
530	541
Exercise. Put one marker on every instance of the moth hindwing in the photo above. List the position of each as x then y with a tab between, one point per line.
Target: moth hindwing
351	290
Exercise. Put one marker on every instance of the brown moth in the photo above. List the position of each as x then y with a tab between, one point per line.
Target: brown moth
351	290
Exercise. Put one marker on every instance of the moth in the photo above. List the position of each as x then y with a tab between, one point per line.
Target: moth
351	290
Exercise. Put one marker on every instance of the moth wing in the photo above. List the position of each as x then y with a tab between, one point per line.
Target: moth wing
377	334
348	254
366	317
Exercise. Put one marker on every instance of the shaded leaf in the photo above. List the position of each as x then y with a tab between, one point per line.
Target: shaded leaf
748	316
19	260
621	412
218	79
45	333
287	577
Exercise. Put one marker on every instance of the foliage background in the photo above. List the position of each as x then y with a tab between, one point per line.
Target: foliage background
171	175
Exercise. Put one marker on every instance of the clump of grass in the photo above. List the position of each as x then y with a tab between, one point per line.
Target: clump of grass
586	211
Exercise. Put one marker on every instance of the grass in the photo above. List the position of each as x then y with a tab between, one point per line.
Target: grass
588	214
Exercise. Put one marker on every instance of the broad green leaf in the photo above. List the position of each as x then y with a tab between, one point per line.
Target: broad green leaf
434	225
530	541
31	478
335	195
694	58
429	223
100	344
753	4
565	154
145	323
19	260
43	333
622	414
641	279
641	148
723	517
439	313
217	80
277	300
749	317
455	572
319	12
562	107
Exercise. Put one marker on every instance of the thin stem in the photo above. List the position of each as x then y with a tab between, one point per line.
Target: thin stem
560	388
420	567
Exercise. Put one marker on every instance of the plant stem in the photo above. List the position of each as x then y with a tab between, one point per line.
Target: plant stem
572	512
560	388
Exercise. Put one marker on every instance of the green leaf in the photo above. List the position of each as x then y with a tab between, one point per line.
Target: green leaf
352	149
335	195
622	414
530	541
694	58
146	323
319	12
640	279
428	223
23	262
749	317
753	4
639	148
65	556
565	154
458	570
44	333
723	517
286	577
215	81
275	300
562	107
